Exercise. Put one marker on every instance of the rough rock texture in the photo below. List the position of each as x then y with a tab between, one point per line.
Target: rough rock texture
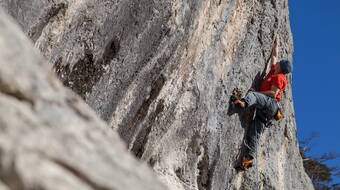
49	138
161	73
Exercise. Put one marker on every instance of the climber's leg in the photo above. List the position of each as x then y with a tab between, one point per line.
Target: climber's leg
266	104
256	99
251	144
252	137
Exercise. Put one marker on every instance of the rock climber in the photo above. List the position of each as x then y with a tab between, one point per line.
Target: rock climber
265	101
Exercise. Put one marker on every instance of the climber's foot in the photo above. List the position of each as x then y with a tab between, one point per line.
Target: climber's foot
245	164
236	105
239	103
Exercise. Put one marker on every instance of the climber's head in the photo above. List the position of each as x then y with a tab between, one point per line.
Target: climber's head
284	67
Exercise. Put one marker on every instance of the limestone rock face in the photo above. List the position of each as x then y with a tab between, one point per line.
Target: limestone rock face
161	73
50	139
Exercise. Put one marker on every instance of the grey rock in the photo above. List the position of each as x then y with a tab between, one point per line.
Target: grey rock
50	139
161	73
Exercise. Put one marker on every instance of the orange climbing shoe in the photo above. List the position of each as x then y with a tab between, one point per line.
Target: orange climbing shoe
247	164
239	103
279	114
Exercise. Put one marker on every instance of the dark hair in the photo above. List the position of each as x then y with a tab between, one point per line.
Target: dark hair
286	66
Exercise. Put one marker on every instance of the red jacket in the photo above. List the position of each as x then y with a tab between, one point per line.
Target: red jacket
278	80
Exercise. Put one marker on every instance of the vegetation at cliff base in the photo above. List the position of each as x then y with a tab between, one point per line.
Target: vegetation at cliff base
316	167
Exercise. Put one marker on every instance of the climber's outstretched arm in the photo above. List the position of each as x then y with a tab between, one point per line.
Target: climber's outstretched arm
274	56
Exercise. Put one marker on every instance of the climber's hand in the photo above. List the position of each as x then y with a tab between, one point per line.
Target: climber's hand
276	42
275	54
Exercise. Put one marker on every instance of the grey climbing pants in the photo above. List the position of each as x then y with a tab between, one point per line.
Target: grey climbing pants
267	107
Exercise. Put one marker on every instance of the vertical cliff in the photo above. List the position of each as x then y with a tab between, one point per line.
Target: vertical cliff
161	73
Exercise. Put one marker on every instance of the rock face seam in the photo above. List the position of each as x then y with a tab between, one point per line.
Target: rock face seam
35	31
14	93
78	174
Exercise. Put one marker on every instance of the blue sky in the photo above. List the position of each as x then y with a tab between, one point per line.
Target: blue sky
316	78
